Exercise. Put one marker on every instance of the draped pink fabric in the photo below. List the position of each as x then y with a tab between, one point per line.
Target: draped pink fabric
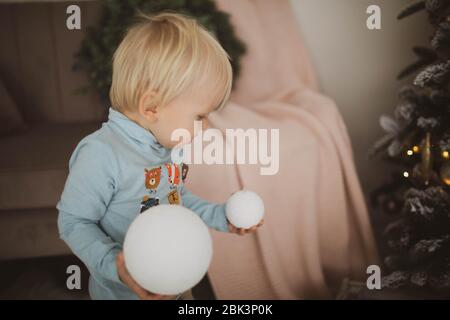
317	229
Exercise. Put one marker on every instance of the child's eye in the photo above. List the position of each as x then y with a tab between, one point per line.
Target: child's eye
200	117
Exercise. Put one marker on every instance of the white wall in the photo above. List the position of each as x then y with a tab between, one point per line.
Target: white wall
357	67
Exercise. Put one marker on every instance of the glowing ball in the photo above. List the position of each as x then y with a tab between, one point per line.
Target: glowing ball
244	209
167	249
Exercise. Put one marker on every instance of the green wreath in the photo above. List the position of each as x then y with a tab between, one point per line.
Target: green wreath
100	42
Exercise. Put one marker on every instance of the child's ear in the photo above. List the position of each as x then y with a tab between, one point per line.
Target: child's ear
148	107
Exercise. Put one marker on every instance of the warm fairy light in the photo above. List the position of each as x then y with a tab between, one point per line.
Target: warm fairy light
406	174
445	154
416	149
446	181
445	173
409	152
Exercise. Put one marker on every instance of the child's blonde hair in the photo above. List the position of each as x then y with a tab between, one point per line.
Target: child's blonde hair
168	53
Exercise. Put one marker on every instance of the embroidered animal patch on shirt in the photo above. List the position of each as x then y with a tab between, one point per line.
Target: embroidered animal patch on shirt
148	202
161	184
184	171
152	178
173	171
174	197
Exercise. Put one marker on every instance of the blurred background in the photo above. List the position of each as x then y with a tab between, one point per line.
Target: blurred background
356	67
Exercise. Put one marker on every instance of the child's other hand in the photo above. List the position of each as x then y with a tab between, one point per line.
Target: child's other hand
126	278
242	231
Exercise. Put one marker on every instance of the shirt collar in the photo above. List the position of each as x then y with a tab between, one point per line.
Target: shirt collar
134	130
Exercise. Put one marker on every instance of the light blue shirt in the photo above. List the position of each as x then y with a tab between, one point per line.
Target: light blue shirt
114	174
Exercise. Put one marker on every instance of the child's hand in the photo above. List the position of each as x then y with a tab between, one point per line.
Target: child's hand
242	231
126	278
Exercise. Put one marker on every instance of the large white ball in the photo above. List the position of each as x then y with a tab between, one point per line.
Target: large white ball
244	209
167	249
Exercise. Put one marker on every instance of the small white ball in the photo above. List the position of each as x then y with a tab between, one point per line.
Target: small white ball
167	249
244	209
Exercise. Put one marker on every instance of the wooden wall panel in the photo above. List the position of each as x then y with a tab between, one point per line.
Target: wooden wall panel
67	42
10	72
39	80
36	61
93	11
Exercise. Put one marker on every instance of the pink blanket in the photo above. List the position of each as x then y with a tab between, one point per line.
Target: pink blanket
316	229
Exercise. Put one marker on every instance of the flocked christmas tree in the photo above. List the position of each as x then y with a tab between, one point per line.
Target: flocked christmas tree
418	144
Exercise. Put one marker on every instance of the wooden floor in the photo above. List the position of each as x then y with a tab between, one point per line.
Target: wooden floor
45	278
